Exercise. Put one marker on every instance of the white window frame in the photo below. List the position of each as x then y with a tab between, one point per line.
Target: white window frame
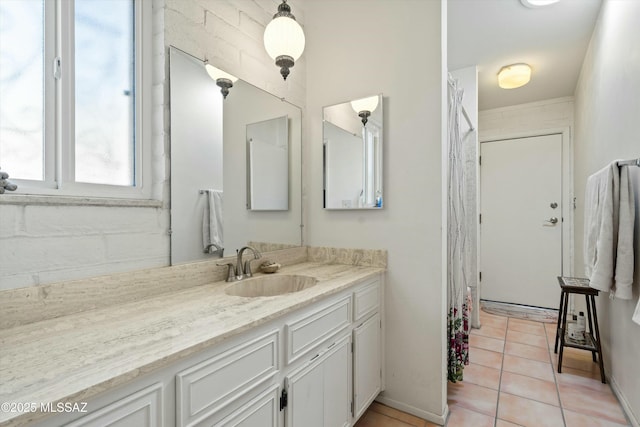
59	109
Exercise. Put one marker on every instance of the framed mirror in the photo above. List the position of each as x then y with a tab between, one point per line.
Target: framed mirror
211	155
352	153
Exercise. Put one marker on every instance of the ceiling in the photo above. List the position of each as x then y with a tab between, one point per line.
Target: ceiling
494	33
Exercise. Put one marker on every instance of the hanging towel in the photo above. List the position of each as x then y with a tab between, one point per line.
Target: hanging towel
608	239
212	239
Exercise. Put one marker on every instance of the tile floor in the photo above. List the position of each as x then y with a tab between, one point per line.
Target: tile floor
512	380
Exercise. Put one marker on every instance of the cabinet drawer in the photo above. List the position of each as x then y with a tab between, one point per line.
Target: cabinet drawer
262	410
141	409
208	386
304	334
366	300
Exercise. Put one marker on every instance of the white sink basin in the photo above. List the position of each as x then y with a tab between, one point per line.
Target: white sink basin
269	286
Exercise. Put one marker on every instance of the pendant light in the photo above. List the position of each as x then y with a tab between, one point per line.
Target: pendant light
222	79
364	107
284	39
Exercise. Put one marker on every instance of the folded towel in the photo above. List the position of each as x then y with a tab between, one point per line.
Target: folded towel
609	222
212	235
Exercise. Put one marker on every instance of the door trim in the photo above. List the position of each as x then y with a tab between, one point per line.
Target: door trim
568	203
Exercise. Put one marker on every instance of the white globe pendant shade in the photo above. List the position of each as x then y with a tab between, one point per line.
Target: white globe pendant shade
365	104
222	79
284	39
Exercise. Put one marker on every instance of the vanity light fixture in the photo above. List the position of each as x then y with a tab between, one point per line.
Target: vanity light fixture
222	79
514	75
364	107
284	39
534	4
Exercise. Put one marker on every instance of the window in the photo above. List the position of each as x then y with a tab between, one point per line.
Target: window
72	96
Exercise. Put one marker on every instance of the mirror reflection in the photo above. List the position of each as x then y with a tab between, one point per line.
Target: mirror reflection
352	153
212	213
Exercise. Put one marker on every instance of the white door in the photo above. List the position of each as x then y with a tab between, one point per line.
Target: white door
366	364
521	222
319	393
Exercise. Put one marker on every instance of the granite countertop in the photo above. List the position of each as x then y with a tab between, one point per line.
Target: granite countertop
74	357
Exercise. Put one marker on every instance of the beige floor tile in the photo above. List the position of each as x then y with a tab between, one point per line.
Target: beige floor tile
531	368
574	419
491	332
490	359
582	362
388	411
503	423
482	376
527	412
585	401
375	419
473	397
527	351
534	329
524	338
493	321
462	417
579	378
516	320
531	388
486	343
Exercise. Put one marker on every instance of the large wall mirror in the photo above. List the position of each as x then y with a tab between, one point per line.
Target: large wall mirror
242	154
352	153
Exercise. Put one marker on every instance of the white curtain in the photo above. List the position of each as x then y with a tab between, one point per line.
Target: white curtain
457	244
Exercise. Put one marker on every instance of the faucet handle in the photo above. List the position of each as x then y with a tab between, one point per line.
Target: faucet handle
231	274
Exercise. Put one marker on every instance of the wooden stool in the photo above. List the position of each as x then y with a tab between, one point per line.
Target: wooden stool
574	285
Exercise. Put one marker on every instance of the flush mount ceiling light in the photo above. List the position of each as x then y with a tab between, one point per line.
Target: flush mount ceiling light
534	4
284	39
222	79
514	75
364	107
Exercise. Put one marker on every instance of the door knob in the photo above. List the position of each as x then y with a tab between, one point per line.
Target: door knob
552	221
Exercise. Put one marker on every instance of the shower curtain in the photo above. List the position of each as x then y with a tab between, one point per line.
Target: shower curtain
457	244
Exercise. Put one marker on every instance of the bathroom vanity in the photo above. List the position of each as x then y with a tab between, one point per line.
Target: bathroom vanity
200	356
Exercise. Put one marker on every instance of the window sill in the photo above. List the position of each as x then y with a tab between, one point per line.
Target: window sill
29	199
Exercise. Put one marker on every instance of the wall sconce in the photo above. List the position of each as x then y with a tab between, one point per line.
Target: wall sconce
284	39
364	107
222	79
514	75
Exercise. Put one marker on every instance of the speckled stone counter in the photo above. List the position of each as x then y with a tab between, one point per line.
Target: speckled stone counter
75	356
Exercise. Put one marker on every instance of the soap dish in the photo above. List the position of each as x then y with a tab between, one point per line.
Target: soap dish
269	267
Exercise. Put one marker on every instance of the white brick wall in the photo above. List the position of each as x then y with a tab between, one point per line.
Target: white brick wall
44	244
548	114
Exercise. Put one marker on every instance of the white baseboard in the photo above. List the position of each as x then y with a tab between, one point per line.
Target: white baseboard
429	416
623	401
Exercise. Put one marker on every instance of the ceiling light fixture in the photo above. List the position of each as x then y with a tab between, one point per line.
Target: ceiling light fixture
364	107
514	75
284	39
222	79
534	4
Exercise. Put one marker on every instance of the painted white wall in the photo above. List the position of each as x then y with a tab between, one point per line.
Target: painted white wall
607	110
396	48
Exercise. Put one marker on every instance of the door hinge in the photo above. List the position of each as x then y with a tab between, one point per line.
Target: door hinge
480	276
57	68
480	219
351	346
283	399
480	160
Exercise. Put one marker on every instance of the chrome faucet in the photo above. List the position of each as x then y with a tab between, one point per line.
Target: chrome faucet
242	272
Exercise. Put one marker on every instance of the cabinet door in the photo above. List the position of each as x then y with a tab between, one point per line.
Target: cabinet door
366	364
319	393
261	411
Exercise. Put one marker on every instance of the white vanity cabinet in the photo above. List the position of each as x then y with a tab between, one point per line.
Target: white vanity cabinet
319	365
319	393
367	346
